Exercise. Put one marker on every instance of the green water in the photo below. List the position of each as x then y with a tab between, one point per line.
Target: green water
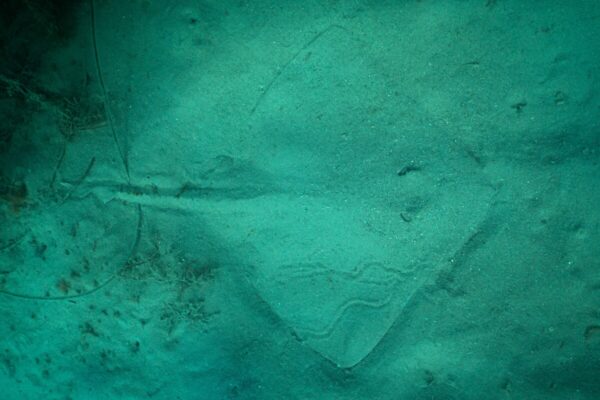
333	199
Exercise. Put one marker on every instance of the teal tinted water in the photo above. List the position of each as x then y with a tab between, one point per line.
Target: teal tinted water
300	200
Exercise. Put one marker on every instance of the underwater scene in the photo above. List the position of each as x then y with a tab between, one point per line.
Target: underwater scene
300	200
